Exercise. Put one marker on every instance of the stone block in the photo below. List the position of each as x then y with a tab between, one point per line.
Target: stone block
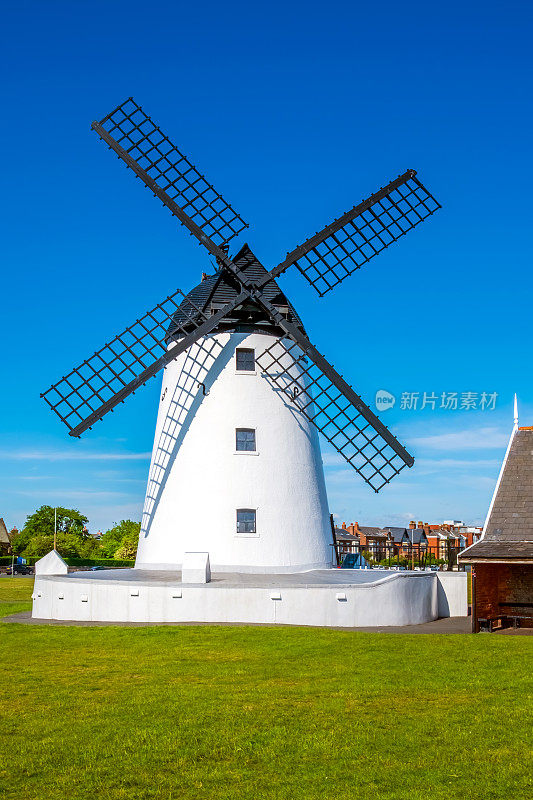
196	568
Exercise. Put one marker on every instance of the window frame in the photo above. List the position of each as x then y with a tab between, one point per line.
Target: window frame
247	532
245	441
245	370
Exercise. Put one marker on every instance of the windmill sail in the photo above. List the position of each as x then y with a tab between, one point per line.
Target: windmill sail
336	411
121	366
141	144
350	241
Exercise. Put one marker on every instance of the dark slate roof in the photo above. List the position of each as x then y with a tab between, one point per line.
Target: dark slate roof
221	288
344	535
373	532
397	534
415	535
509	531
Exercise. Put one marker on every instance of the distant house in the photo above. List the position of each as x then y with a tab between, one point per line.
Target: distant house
345	542
502	561
401	541
415	538
395	538
5	542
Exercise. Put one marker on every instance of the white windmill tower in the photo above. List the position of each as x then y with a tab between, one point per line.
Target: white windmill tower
236	468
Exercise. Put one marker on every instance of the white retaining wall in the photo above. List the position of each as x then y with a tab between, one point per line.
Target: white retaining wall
395	599
452	596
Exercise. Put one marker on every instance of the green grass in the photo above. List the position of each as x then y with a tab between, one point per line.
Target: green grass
240	712
15	594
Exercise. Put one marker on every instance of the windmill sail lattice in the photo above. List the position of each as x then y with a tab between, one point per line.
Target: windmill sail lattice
129	127
343	246
349	429
112	373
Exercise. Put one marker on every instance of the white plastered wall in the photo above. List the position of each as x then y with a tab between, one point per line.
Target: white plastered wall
197	479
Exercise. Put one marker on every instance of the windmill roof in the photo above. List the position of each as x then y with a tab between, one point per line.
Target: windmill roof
220	288
509	529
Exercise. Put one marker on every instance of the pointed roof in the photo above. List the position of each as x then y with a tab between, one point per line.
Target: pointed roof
509	528
396	533
220	288
51	564
4	537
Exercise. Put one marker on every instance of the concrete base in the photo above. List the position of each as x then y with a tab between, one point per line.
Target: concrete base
333	597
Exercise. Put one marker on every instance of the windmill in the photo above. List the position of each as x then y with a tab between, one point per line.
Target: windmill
240	375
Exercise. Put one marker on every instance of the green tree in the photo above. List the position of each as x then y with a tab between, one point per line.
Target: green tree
37	536
121	540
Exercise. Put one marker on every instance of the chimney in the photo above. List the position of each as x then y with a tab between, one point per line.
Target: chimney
420	524
412	525
343	526
204	276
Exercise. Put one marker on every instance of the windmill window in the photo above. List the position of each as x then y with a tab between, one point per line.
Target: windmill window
246	520
245	359
245	439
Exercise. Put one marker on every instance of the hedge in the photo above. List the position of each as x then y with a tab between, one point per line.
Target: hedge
75	562
98	562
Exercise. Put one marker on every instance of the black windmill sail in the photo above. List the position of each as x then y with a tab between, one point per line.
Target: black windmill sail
243	293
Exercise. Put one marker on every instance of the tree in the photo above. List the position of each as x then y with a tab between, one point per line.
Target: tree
121	540
37	536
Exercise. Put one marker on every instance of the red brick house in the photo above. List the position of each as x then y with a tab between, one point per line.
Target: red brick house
502	561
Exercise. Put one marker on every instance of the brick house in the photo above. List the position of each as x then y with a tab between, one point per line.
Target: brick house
502	561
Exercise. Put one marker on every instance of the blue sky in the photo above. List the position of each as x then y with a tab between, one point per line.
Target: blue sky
295	111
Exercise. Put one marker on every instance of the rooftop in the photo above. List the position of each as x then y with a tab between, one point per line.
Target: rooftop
509	529
220	288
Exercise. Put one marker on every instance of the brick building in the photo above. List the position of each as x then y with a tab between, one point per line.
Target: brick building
502	561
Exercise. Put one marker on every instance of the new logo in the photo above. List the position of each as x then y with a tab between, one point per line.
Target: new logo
384	400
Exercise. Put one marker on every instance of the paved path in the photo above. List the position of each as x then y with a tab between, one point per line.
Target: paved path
446	625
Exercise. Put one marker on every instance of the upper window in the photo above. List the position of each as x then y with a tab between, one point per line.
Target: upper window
246	520
245	359
245	439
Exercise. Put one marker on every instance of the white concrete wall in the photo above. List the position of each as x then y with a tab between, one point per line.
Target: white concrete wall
197	480
452	594
392	600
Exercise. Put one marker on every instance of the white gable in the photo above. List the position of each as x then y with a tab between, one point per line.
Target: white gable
51	564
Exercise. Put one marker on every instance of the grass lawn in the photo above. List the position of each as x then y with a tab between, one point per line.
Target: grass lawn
240	712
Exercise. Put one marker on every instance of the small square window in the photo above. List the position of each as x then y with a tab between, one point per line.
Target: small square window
245	359
245	439
246	520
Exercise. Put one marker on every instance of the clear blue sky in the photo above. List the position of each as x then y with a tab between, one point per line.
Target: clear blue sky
295	111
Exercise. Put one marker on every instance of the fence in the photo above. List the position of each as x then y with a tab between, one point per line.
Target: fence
403	555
